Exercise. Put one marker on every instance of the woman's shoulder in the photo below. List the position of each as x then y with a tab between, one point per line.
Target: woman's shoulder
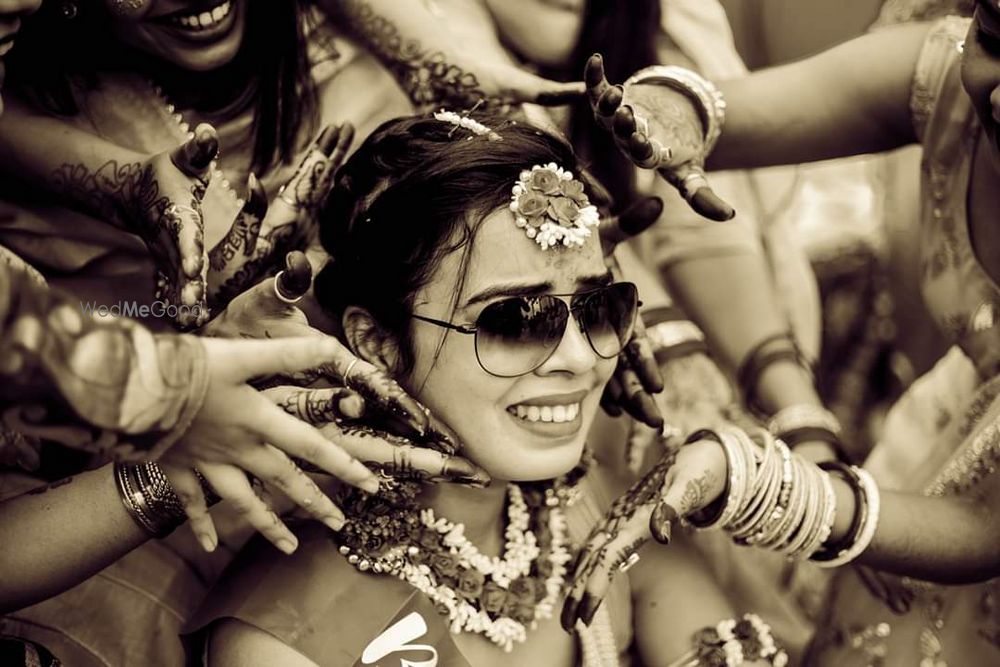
299	599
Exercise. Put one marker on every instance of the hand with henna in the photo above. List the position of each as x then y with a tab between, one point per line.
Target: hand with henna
157	198
679	484
262	234
236	430
637	376
657	128
268	310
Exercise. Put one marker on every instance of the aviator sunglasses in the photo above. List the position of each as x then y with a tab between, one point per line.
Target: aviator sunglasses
515	336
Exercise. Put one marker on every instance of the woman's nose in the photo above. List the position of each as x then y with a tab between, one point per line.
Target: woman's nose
574	353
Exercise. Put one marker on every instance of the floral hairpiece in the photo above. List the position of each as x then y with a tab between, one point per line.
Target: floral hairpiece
552	208
470	124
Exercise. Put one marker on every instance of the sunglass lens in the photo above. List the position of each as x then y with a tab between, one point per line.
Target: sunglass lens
608	317
515	336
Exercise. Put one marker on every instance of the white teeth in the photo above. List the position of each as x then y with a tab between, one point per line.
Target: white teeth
547	413
204	20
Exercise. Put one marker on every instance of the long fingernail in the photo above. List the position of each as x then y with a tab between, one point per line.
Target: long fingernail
208	542
351	406
568	617
327	139
661	522
334	522
588	607
286	545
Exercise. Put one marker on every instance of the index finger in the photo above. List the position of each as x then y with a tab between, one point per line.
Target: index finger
595	80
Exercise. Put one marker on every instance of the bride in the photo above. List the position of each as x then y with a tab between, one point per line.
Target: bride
465	262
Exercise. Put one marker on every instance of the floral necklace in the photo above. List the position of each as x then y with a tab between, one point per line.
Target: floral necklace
499	597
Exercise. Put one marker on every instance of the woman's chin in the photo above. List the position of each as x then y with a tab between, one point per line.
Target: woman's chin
528	465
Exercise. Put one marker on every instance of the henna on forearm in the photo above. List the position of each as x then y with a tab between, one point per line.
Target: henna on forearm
425	74
696	493
112	375
120	193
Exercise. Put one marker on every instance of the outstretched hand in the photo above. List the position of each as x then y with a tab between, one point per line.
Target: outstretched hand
263	233
682	482
657	128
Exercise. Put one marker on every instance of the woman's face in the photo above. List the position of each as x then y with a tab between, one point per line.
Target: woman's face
981	70
196	35
512	427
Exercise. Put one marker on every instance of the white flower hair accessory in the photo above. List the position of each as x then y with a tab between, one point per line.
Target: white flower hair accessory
470	124
552	208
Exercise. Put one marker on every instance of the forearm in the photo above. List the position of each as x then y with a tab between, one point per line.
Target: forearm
61	534
84	171
112	375
820	108
949	540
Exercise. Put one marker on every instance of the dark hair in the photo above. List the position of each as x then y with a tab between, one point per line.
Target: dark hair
625	34
55	57
416	190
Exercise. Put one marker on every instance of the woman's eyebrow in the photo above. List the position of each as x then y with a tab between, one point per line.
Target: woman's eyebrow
509	289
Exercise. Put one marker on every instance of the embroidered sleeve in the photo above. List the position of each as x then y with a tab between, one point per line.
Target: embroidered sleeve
71	369
941	51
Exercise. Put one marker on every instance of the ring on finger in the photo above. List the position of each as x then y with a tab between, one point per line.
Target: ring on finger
691	183
347	373
628	563
294	203
178	209
278	293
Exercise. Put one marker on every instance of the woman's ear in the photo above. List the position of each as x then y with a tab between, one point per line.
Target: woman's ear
368	340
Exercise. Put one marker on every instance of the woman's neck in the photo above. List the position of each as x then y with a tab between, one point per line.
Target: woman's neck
206	92
483	512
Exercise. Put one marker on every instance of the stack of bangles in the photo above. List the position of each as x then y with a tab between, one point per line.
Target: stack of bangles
778	501
731	643
150	499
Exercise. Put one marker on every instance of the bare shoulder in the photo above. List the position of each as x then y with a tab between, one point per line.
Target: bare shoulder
233	643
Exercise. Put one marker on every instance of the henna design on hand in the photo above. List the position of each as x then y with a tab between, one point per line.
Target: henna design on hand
696	493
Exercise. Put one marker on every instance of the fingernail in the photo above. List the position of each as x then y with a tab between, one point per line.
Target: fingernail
327	139
351	406
334	522
286	545
568	617
208	542
588	606
661	522
370	484
475	481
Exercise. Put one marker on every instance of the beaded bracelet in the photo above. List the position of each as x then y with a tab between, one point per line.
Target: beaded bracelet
731	643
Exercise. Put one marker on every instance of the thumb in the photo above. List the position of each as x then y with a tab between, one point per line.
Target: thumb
550	93
248	359
194	156
690	181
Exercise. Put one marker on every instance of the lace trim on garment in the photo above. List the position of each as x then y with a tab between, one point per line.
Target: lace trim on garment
932	66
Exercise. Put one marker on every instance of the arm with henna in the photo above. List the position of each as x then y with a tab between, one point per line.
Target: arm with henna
418	47
157	197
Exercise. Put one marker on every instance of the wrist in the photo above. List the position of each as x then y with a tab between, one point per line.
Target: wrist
703	94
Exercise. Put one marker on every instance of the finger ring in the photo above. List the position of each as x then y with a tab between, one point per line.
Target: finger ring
347	373
642	124
691	183
288	200
178	209
280	295
628	563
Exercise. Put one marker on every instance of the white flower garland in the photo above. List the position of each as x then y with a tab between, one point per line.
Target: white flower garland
520	551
